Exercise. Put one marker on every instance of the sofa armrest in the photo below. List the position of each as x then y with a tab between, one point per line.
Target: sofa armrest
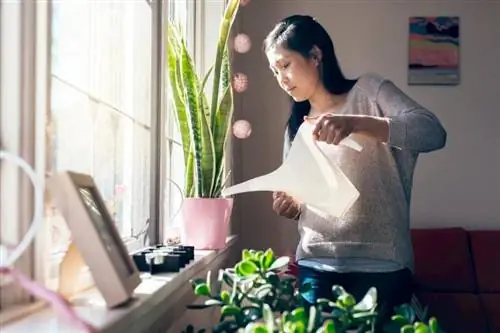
485	246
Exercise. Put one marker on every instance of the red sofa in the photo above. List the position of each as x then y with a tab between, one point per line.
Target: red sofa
457	275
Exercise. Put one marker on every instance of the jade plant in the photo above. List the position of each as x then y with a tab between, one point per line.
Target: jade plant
405	320
242	291
340	314
258	296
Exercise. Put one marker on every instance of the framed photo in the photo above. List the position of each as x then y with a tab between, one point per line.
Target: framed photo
95	236
434	51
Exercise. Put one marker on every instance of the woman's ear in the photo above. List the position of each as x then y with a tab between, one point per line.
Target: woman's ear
316	54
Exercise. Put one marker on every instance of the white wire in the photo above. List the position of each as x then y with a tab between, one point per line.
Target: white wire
8	258
36	222
171	218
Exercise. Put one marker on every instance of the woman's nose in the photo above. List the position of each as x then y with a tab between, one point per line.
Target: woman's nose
282	79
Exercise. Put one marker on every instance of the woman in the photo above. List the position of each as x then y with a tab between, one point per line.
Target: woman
371	244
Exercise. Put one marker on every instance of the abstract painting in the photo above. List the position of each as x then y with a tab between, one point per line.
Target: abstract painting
434	51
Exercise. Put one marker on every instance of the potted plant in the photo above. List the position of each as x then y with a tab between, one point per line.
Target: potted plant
258	296
204	121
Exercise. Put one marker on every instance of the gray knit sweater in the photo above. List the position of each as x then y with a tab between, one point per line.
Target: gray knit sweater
374	235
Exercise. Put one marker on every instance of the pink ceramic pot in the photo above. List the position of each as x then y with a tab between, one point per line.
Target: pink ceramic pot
205	222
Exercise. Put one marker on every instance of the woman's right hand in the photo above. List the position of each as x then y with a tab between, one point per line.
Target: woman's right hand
286	206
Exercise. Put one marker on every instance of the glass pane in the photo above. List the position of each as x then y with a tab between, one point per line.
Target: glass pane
178	13
90	138
140	183
177	176
71	129
108	160
101	104
104	49
71	42
173	194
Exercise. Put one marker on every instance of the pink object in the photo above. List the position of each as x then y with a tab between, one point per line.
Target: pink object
119	189
240	82
244	2
242	129
56	300
206	222
242	43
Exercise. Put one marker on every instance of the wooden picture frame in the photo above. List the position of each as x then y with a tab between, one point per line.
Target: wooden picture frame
95	236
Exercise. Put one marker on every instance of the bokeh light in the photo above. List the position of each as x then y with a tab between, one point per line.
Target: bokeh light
240	82
242	43
242	129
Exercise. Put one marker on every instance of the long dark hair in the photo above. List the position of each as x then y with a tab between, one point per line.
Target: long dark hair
300	33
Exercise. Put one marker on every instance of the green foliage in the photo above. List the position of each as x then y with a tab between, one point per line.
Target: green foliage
258	296
404	321
203	122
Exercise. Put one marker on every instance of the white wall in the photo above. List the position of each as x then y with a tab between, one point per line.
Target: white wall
457	186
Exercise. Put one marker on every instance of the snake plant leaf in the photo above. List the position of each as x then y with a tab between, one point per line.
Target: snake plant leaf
206	111
199	130
203	97
223	118
173	55
221	129
189	172
218	182
208	157
226	71
227	22
179	96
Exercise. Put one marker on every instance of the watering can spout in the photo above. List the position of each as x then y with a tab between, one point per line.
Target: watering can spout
307	175
252	185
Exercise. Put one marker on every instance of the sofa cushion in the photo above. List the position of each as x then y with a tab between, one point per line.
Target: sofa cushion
442	260
455	312
491	306
485	254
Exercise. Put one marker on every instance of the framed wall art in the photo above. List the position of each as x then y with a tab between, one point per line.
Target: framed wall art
434	45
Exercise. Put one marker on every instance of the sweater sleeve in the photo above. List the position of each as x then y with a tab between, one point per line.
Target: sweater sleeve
411	126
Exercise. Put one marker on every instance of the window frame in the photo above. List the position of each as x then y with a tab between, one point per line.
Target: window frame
31	99
158	97
34	32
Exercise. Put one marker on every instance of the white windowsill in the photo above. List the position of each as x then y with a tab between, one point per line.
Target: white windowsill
153	291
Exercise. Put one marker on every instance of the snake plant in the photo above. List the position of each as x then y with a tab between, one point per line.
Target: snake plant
204	121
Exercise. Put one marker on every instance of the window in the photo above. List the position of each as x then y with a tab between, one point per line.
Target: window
100	114
88	102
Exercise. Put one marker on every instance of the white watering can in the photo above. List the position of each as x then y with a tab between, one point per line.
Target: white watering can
307	175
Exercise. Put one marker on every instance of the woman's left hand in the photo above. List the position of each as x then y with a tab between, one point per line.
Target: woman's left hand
332	128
